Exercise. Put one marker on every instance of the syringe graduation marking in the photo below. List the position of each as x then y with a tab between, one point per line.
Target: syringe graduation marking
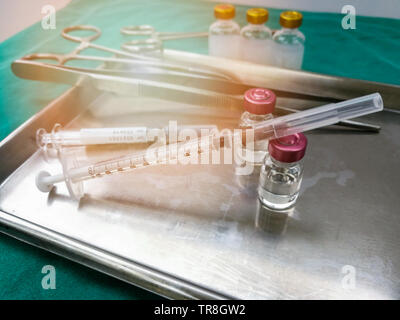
161	156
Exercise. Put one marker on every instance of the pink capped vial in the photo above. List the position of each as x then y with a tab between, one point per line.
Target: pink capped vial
259	101
282	172
259	104
288	149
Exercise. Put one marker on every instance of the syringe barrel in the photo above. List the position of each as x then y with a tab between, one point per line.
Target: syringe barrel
318	117
153	156
114	135
91	136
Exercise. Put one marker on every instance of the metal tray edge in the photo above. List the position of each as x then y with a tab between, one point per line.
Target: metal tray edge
118	267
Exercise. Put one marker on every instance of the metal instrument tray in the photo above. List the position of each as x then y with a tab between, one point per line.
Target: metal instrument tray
189	231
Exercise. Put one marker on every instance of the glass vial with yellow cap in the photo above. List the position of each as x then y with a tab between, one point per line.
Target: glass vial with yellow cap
256	38
289	41
224	34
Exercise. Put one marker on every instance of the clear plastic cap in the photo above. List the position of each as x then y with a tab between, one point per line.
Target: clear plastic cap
318	117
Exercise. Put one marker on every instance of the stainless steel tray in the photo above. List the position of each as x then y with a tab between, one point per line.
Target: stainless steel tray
188	231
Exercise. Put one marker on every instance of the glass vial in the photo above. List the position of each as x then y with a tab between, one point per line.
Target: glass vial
282	172
259	104
224	34
289	41
256	38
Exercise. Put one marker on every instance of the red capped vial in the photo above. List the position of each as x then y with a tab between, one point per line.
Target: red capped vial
259	104
282	172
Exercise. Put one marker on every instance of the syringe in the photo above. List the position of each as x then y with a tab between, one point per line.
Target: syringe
73	175
270	129
119	135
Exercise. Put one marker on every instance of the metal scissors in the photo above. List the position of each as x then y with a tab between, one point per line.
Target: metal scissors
131	61
154	42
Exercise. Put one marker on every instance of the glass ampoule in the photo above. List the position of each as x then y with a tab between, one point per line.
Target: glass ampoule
256	38
282	172
289	41
224	34
259	104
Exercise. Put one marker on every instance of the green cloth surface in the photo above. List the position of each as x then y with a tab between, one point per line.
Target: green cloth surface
370	52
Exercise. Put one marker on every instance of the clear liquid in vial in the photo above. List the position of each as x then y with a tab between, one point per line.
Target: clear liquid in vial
288	56
256	44
288	48
225	46
224	39
279	184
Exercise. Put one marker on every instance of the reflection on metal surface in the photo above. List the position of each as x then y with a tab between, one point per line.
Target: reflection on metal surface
273	221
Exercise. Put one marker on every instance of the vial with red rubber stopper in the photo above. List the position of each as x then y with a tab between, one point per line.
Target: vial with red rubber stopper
259	104
282	172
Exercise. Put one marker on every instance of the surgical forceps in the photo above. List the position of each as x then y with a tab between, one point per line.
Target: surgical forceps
130	60
155	39
178	88
197	84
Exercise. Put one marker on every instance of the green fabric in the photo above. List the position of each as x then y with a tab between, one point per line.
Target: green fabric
370	52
